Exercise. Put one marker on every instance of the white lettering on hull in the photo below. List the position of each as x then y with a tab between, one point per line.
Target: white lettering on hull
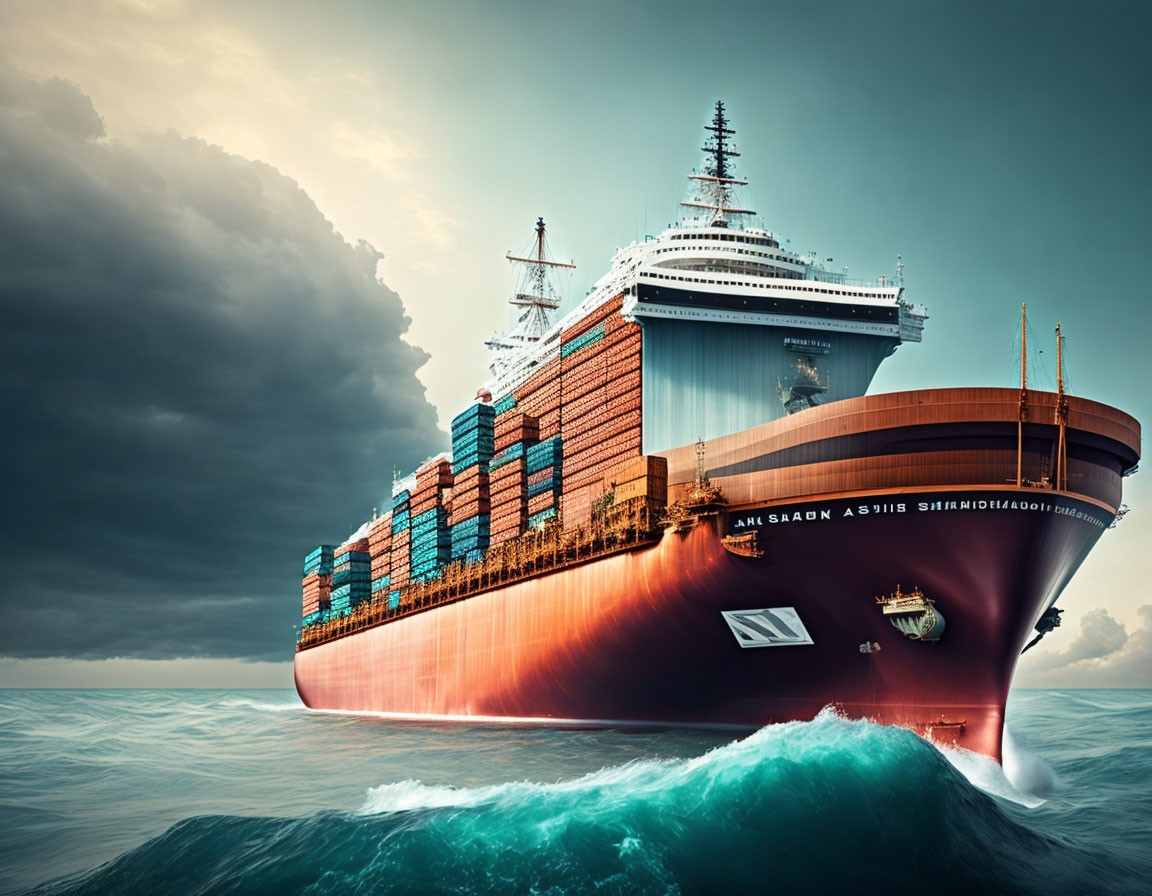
814	514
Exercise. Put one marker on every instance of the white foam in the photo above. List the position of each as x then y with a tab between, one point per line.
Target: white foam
1027	771
628	778
402	796
264	707
1023	778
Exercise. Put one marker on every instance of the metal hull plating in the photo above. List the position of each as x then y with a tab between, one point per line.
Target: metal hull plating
640	637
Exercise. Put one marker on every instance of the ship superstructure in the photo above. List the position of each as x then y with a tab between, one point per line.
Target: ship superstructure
675	505
738	328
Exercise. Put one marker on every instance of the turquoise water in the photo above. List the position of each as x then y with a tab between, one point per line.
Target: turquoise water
248	792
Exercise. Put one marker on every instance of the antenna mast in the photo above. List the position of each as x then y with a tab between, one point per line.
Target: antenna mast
715	185
535	294
1061	415
1023	394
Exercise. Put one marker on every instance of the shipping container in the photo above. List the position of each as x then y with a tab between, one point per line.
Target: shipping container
542	517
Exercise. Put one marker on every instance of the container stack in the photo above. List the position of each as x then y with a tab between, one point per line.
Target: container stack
515	427
473	444
640	477
473	434
470	518
541	394
380	551
470	494
601	373
431	537
509	490
543	464
317	584
565	444
319	560
401	540
351	576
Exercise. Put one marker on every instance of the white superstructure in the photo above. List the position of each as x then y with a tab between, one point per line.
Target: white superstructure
711	267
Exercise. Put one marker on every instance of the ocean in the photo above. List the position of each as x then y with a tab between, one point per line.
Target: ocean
248	792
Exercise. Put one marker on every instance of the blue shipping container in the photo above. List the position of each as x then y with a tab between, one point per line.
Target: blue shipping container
537	518
324	550
551	484
320	567
588	337
471	415
509	454
543	455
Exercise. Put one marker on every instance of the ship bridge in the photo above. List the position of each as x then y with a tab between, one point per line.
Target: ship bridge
738	328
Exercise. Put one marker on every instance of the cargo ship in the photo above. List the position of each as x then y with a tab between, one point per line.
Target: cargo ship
676	506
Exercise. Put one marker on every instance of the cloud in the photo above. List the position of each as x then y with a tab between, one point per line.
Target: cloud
124	673
200	380
1100	635
1102	654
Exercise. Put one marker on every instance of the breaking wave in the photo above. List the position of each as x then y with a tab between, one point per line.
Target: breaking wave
828	806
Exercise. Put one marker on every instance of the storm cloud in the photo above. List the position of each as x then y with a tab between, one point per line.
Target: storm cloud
200	380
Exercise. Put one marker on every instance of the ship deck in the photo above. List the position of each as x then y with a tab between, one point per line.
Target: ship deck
925	439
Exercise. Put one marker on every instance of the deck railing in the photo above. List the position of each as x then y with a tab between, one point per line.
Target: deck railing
621	527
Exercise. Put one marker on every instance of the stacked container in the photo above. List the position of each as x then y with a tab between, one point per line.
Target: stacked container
431	538
380	551
514	427
400	563
470	494
541	395
351	576
317	584
601	372
472	436
320	560
473	444
543	463
639	477
583	399
509	490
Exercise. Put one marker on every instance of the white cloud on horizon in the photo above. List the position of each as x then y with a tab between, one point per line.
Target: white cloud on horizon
120	672
1102	654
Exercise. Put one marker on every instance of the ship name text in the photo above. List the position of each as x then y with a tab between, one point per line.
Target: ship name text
789	515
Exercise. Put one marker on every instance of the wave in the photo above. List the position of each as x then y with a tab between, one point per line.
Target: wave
263	706
828	806
1024	778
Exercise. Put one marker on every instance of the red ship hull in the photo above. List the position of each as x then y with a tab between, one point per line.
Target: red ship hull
640	637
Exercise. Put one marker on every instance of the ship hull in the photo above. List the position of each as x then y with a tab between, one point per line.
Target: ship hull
640	637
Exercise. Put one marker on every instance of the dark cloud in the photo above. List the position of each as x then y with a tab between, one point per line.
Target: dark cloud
1102	654
200	380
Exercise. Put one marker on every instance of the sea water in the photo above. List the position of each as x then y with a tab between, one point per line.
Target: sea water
248	792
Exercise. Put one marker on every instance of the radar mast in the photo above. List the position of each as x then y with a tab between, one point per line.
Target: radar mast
536	297
713	197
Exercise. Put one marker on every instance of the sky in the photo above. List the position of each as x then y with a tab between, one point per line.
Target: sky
249	255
